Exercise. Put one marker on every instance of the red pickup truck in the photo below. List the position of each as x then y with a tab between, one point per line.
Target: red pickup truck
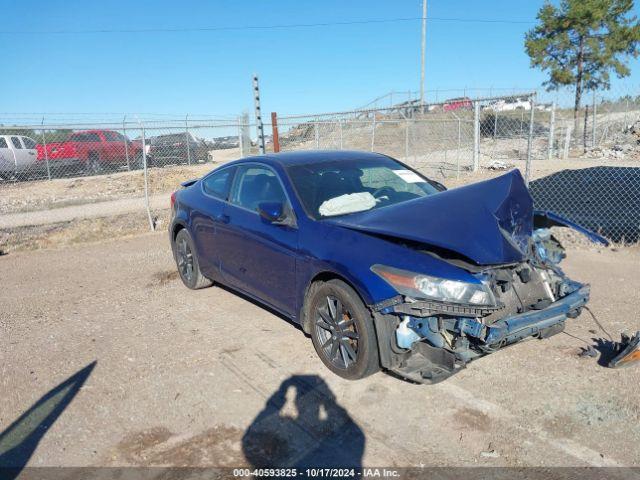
457	104
93	150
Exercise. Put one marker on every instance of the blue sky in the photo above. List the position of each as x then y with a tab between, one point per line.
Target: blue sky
301	69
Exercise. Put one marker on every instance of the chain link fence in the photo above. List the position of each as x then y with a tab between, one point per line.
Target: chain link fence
582	166
57	151
448	139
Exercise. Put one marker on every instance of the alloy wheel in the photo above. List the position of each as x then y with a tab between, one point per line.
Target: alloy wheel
185	259
337	332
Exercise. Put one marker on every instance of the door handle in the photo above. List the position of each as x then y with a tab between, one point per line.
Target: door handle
222	218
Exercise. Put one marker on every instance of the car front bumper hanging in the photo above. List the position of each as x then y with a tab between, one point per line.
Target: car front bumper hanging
534	322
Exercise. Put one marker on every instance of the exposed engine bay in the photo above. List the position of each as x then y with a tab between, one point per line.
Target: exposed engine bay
430	340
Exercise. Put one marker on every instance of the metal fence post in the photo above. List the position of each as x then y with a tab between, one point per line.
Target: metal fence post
373	132
245	136
527	173
316	135
495	124
476	136
567	142
186	137
552	126
406	140
146	178
126	141
594	121
584	128
46	154
240	142
626	111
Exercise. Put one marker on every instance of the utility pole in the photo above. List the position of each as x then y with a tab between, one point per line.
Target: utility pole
424	46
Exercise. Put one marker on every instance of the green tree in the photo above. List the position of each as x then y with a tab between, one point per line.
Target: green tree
581	42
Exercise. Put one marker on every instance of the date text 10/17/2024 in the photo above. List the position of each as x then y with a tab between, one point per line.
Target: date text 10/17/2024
317	472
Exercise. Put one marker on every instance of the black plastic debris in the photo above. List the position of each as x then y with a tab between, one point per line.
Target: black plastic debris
628	351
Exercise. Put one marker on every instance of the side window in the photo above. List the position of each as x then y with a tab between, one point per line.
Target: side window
84	137
16	143
28	143
113	136
3	143
217	184
257	184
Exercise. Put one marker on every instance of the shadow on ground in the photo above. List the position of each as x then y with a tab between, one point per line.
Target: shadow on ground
20	439
302	425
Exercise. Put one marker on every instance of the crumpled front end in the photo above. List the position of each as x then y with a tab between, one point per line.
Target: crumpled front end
428	340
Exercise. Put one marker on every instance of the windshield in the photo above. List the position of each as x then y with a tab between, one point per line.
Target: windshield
333	188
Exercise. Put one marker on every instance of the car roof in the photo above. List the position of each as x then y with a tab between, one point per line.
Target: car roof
288	159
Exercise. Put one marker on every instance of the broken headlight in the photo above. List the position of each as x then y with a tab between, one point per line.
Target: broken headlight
418	285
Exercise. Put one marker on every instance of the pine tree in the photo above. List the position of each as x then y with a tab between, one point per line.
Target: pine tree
581	42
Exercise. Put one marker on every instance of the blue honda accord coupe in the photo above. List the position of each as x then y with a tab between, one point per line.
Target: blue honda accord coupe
381	266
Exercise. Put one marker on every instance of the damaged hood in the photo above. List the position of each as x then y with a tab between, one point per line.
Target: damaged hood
488	222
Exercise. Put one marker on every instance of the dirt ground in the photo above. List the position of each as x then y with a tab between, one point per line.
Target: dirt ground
208	378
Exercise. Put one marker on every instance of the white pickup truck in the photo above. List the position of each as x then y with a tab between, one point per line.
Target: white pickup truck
18	155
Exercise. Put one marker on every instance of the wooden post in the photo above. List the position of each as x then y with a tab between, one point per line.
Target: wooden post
274	132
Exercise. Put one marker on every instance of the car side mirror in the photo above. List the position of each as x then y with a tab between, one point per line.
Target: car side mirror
276	213
271	211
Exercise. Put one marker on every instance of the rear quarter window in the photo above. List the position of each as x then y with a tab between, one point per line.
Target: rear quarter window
28	143
3	143
113	136
217	183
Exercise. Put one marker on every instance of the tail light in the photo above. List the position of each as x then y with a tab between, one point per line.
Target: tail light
173	200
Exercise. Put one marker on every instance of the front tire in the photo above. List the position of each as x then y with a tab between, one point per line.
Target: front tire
186	258
342	330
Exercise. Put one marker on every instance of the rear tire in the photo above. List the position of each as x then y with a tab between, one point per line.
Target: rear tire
342	330
186	259
93	164
138	162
